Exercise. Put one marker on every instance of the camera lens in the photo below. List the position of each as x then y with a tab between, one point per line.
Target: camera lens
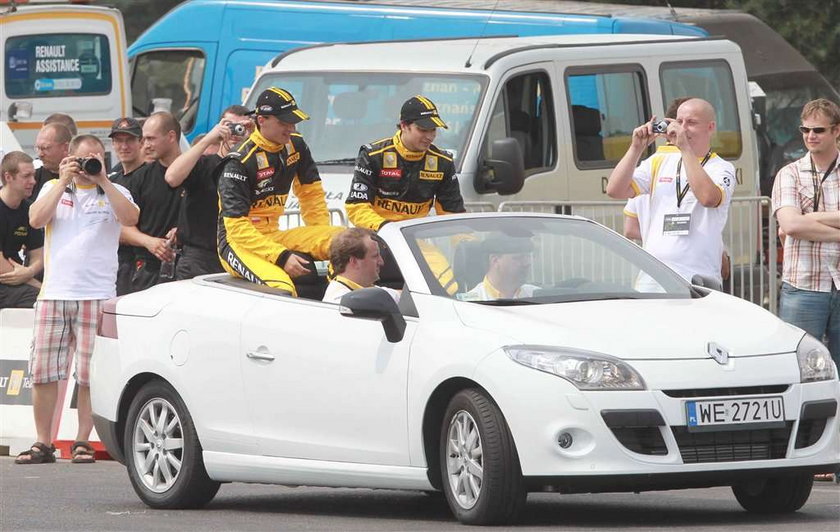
91	166
237	129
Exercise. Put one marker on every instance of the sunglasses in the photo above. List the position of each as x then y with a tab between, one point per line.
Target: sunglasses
817	130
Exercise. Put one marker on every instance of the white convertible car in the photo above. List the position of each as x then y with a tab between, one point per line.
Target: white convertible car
586	379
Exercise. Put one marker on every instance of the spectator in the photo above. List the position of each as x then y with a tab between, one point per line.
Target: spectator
806	201
255	182
356	260
126	137
195	172
690	190
63	119
18	286
508	267
82	214
153	238
51	146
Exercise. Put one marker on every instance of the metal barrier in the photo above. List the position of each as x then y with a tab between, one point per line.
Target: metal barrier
292	219
750	242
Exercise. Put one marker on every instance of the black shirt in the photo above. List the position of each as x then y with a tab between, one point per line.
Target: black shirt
42	175
118	176
159	204
15	231
200	209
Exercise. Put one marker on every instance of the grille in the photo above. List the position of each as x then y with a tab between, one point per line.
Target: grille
732	445
809	432
722	392
642	440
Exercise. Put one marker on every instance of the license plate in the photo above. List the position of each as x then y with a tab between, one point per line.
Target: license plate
728	414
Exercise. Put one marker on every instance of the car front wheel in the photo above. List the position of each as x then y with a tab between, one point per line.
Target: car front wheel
482	480
163	454
774	495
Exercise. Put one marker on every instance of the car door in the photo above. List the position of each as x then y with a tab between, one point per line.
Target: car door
322	386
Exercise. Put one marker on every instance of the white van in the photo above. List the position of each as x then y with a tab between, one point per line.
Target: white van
62	58
535	119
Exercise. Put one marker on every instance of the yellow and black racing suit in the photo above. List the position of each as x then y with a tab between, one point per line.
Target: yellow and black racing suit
254	183
391	183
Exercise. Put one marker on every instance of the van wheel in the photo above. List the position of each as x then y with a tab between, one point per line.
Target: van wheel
779	495
482	480
162	451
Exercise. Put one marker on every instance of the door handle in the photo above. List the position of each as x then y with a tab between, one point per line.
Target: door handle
255	355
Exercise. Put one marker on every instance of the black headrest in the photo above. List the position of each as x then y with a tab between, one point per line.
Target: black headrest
587	120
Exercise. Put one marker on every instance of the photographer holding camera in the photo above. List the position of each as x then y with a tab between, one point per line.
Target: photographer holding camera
83	213
194	172
690	189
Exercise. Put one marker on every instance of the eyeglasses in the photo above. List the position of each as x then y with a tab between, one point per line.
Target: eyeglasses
818	130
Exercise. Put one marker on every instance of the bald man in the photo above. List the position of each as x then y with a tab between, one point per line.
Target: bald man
690	189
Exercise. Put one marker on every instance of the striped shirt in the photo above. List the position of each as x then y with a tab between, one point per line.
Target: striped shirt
808	265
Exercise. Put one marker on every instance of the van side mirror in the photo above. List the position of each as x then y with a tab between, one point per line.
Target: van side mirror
505	168
377	305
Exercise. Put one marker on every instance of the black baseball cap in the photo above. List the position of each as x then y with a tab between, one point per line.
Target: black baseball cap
126	125
421	111
280	103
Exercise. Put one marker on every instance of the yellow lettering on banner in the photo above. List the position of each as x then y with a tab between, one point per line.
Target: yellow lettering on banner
431	176
15	382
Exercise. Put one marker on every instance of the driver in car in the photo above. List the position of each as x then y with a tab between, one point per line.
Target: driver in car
508	267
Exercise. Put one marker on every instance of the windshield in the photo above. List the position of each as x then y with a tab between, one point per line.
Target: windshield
532	260
349	109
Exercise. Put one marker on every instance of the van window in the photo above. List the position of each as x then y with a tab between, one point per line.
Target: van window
54	65
525	112
173	74
712	81
606	105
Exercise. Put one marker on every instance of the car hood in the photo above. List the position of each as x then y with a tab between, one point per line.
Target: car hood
642	328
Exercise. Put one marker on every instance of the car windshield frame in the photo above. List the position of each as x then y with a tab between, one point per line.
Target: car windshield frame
317	132
459	228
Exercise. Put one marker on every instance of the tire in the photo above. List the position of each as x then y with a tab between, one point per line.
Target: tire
163	458
482	480
779	495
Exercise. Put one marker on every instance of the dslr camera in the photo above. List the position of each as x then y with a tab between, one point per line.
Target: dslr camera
90	165
660	126
237	129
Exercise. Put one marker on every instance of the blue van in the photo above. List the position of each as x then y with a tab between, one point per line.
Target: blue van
204	55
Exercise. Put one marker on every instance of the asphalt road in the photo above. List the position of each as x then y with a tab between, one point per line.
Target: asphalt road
99	497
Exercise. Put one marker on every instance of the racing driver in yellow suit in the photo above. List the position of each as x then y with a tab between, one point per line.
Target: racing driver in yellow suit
254	183
403	176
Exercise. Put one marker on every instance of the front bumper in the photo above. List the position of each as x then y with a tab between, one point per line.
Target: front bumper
541	409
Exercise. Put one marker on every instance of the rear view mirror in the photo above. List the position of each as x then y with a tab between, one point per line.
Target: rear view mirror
505	168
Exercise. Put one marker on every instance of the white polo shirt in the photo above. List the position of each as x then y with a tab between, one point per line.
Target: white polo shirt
639	208
80	245
700	250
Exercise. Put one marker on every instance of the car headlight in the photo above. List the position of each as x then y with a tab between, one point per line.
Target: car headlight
815	362
587	370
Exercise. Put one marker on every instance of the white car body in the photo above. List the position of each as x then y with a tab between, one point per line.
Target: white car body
339	405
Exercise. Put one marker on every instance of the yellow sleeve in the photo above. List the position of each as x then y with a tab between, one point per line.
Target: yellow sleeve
363	215
313	205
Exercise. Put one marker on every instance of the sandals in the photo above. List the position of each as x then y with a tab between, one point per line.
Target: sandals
82	453
38	454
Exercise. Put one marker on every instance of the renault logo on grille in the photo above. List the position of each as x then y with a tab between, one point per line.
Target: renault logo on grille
717	352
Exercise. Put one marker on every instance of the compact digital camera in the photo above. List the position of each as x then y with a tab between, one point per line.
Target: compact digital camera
660	126
237	129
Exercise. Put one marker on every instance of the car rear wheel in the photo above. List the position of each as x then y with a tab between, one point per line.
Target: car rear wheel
482	480
163	454
774	495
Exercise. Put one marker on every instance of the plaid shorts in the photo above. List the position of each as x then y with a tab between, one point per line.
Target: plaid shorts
63	328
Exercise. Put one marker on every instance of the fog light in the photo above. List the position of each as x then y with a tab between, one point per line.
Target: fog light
565	440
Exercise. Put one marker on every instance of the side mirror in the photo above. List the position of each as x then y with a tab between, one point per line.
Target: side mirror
506	168
706	282
375	304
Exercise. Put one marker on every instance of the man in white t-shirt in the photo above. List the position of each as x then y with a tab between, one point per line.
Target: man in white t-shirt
690	190
356	261
508	267
83	213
